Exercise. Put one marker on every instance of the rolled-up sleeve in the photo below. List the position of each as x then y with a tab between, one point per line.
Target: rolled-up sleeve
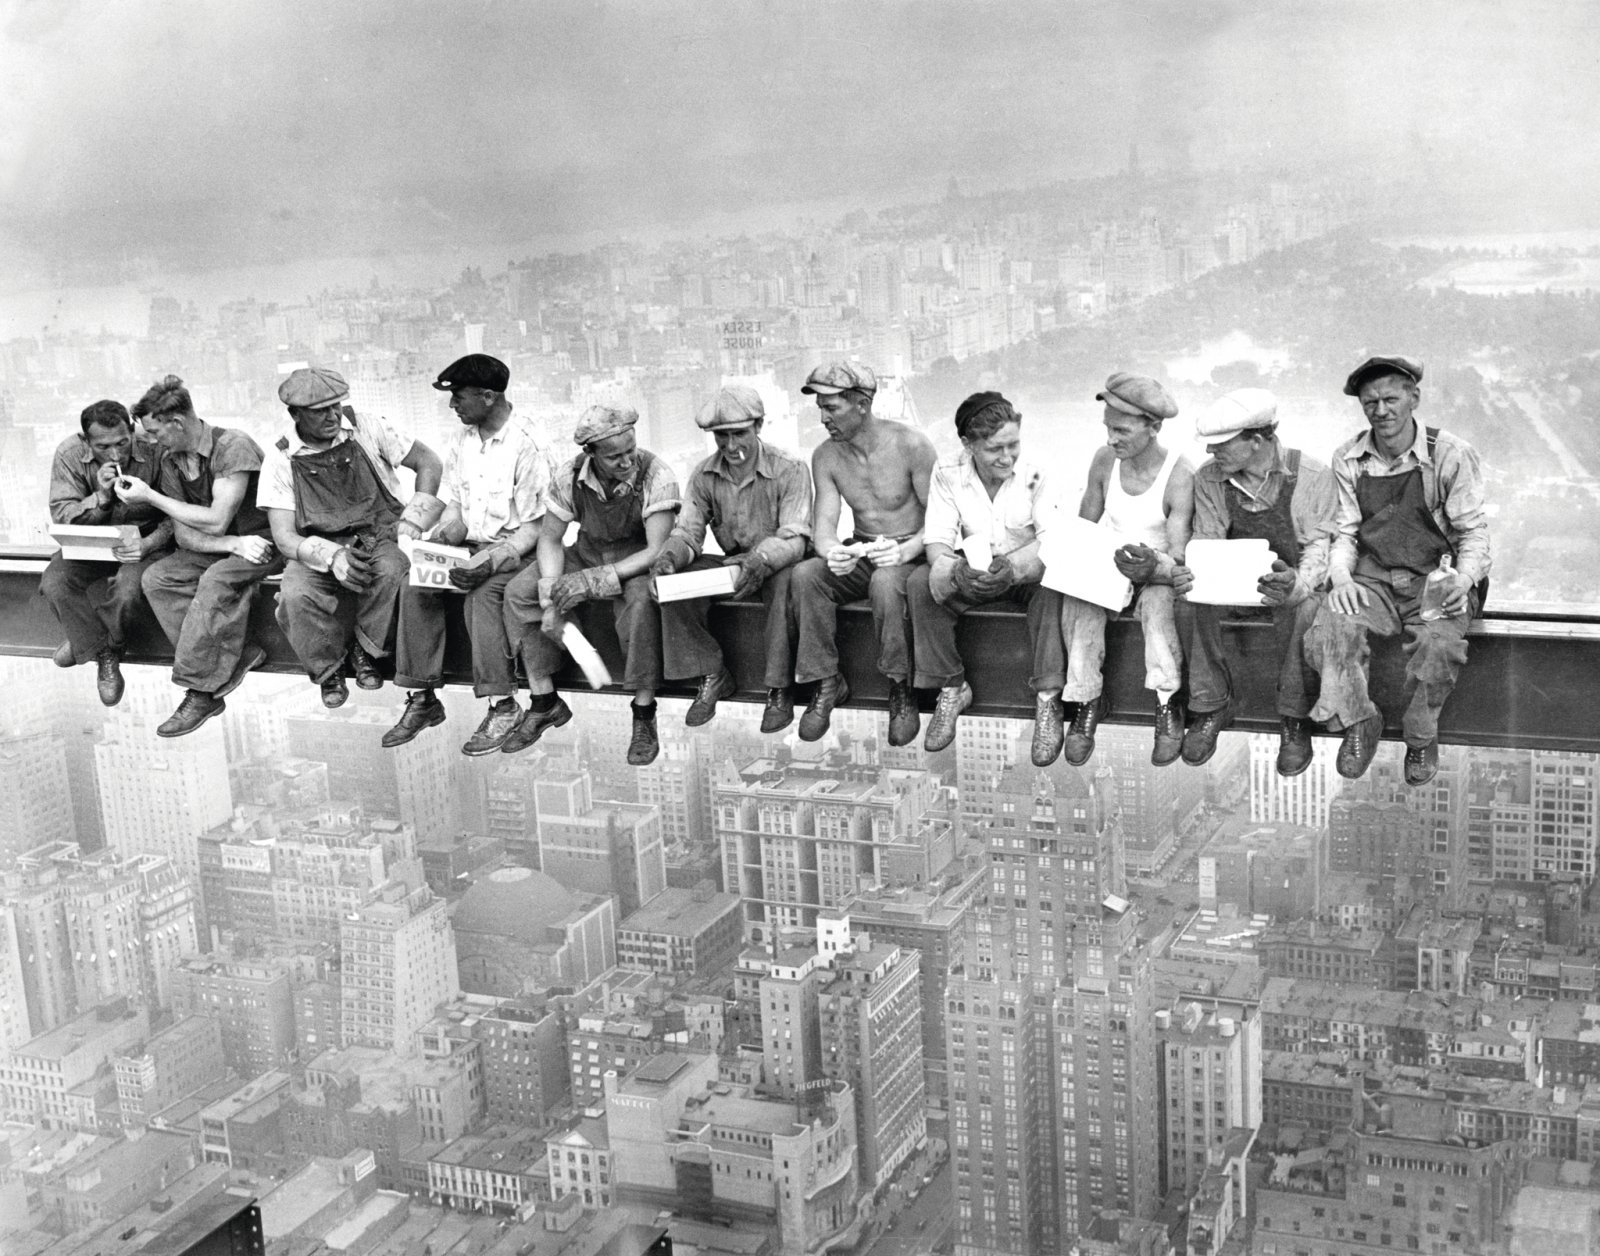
532	486
660	490
1210	508
788	544
558	496
698	508
942	522
275	487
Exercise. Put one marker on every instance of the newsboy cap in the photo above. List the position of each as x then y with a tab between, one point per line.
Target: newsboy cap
1383	364
599	422
1138	394
313	388
476	370
733	407
838	377
1235	412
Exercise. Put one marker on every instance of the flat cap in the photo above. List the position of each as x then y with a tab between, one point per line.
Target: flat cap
1138	394
838	377
736	406
1383	364
313	388
476	370
1235	412
599	422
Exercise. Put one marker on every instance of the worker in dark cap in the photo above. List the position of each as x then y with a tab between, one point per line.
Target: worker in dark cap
756	500
333	496
202	593
97	602
1253	487
624	500
986	498
1144	492
495	473
1410	516
880	469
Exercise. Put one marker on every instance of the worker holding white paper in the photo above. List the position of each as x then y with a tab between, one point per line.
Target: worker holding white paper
756	500
1254	491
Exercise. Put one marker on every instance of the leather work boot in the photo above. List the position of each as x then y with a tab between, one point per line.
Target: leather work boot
953	700
712	688
64	657
1200	741
532	726
1422	763
195	709
1080	736
335	693
779	711
496	727
1169	732
1048	733
108	676
1294	746
904	720
365	668
645	744
250	658
1359	745
423	710
830	693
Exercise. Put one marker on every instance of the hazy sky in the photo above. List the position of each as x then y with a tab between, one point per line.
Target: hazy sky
256	124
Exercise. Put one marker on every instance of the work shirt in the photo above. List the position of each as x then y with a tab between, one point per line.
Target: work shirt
960	506
1311	508
74	496
769	512
189	476
386	446
658	491
498	483
1452	486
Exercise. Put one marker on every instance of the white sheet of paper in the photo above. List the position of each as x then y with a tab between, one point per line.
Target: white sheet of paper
585	655
978	551
712	582
92	542
431	563
1225	572
1077	558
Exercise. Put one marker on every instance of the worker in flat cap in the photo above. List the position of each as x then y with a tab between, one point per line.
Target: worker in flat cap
756	500
1251	486
495	474
624	500
202	593
1410	515
1144	492
988	509
880	469
96	603
331	489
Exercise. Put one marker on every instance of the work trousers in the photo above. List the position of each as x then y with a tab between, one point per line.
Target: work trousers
1083	625
816	594
419	641
1210	673
1337	647
634	614
203	602
689	649
315	611
933	630
95	602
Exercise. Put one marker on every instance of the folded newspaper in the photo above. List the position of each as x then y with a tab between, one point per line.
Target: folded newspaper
431	563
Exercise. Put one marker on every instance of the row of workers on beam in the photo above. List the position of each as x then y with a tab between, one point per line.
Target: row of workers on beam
1353	546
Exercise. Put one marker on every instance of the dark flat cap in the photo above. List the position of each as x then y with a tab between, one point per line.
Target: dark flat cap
1384	364
476	370
1138	394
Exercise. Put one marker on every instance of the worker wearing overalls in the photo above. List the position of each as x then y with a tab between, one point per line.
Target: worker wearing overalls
1408	496
1251	487
333	498
625	501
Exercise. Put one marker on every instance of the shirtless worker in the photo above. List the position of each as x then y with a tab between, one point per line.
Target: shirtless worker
880	469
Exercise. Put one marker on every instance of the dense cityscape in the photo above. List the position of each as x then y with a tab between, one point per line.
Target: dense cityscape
790	997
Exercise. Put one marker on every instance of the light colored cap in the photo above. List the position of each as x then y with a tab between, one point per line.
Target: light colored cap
838	377
1235	412
599	422
733	407
313	388
1138	394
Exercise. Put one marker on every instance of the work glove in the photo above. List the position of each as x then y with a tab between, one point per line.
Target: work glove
753	570
577	587
485	565
1277	586
1137	562
352	570
420	514
998	580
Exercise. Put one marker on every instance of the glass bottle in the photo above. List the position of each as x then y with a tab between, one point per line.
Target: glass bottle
1436	587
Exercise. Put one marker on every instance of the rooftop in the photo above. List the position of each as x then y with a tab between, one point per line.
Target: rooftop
679	912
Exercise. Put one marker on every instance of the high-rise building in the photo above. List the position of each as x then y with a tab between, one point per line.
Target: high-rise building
791	1039
158	796
1302	799
412	781
397	964
1207	1086
675	784
1149	799
252	1003
172	1065
38	801
1532	815
599	847
694	932
986	745
525	1068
